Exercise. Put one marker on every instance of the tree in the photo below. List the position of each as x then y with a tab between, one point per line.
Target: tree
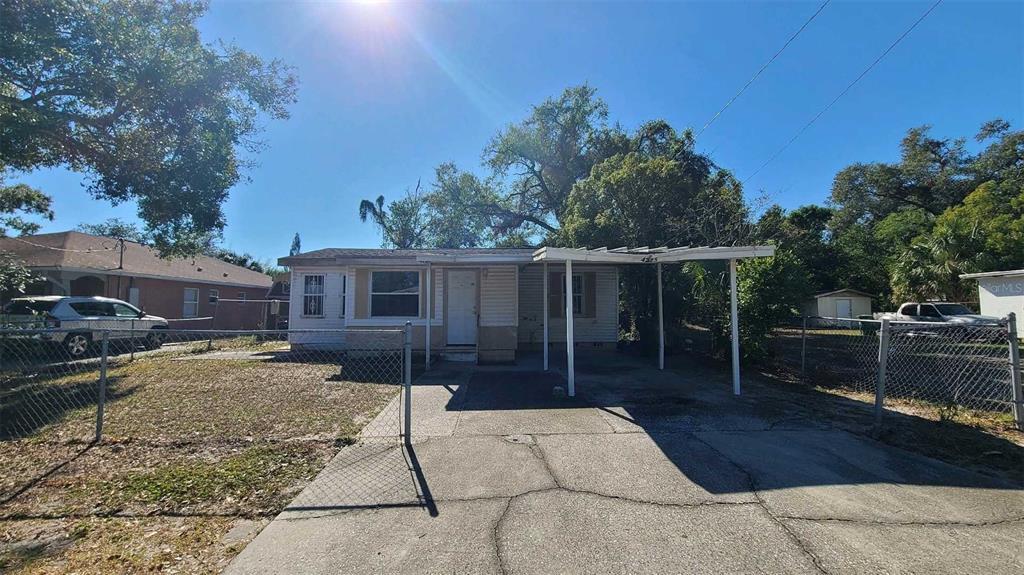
769	292
296	248
931	175
14	274
127	93
536	162
116	228
455	221
18	202
402	223
658	192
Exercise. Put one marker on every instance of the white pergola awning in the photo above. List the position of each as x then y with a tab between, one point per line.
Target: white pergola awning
645	255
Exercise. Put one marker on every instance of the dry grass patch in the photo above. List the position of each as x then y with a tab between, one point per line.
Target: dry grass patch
192	442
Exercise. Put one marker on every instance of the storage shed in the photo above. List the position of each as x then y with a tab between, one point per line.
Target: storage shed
844	303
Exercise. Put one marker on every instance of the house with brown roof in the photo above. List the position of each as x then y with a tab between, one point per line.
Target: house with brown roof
186	291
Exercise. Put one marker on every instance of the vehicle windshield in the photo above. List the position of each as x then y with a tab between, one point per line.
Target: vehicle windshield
953	309
28	307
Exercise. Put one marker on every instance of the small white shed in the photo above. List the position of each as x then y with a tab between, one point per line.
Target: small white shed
1000	293
839	303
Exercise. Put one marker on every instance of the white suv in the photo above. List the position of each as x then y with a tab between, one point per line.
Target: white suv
77	322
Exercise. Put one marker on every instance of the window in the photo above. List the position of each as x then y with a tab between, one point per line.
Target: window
928	310
242	295
908	309
29	307
93	309
577	293
394	294
953	309
213	295
122	310
191	305
344	294
313	296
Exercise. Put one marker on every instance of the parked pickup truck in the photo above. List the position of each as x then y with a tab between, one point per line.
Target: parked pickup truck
940	312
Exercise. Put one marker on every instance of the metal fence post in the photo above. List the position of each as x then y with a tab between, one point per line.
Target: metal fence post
101	402
407	382
883	360
1015	379
803	348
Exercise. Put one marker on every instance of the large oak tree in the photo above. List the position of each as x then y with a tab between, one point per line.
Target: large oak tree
128	93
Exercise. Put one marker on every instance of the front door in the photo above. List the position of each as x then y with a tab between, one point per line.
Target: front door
461	296
844	308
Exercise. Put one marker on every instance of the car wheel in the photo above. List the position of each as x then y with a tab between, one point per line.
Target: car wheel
154	340
77	344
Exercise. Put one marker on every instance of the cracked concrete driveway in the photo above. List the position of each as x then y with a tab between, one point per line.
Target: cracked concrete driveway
643	472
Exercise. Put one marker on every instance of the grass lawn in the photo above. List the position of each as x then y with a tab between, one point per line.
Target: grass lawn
199	452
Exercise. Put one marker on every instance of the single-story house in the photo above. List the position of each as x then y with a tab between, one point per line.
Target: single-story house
487	303
182	289
480	304
1000	293
842	303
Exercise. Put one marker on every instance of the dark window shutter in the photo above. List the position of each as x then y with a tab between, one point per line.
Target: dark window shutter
589	294
556	282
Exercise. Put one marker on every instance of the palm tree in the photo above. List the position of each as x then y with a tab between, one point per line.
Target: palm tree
402	223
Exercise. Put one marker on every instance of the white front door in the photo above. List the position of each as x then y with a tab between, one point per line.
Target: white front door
844	308
461	296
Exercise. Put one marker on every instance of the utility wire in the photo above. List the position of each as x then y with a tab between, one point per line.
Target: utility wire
56	249
843	93
765	66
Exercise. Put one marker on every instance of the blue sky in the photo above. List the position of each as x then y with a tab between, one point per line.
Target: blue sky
388	91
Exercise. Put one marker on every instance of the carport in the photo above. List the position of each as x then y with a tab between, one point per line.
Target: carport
644	255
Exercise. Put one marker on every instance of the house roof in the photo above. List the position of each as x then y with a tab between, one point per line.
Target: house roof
844	290
77	251
527	255
992	274
342	255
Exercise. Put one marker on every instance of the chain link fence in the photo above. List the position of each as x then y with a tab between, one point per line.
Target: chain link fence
192	421
945	367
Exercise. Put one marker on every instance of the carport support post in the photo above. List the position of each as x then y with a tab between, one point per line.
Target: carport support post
1018	391
661	324
102	399
407	382
734	321
430	308
570	340
546	314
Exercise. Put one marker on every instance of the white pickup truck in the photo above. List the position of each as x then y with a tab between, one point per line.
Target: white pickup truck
940	312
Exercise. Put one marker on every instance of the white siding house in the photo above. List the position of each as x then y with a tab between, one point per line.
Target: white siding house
487	303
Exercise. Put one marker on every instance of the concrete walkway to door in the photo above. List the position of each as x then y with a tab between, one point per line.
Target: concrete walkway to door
643	472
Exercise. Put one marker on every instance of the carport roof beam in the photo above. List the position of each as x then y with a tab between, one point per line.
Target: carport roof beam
644	255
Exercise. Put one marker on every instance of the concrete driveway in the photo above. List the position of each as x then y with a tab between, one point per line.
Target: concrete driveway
643	472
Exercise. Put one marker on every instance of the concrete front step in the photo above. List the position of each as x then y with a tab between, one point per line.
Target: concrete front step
461	354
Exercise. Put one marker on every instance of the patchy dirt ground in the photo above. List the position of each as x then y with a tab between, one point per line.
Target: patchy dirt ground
199	451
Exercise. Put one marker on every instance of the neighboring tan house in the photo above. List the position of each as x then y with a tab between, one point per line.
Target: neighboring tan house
487	303
184	289
842	303
1000	293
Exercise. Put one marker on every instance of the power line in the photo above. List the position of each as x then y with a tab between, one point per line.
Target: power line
845	90
765	66
56	249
